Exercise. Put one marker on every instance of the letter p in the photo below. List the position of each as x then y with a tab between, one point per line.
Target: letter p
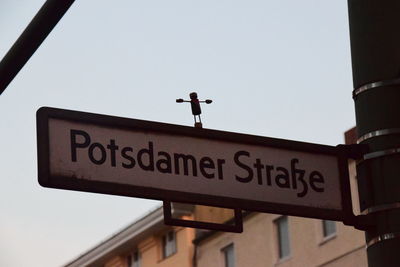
75	144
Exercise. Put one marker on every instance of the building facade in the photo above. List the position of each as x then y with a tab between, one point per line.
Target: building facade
272	240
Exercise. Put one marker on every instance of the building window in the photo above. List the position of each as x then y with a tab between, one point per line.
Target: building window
169	244
134	259
229	256
283	237
328	228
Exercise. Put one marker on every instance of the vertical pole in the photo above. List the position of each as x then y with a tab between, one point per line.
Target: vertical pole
375	49
30	40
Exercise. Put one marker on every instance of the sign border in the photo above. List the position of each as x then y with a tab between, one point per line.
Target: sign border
62	182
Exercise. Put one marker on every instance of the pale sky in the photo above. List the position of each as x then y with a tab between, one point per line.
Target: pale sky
273	68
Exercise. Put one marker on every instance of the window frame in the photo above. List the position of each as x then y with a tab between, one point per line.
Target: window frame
226	251
282	254
166	242
325	234
134	259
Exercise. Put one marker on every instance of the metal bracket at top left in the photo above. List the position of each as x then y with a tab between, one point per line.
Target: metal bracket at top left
31	38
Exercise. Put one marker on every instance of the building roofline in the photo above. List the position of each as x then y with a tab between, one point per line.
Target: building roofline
120	238
129	235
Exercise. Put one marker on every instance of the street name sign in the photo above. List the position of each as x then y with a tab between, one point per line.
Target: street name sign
111	155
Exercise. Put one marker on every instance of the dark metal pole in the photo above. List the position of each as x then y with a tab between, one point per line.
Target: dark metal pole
375	49
32	37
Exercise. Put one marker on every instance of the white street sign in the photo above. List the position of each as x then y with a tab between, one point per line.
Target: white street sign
97	153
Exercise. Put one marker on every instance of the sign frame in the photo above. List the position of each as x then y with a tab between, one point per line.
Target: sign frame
62	182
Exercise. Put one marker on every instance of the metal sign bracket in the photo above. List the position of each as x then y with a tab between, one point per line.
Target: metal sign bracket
237	227
364	222
355	151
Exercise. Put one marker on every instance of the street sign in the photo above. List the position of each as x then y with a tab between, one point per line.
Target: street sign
129	157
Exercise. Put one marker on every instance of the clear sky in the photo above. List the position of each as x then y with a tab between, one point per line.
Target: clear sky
273	68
